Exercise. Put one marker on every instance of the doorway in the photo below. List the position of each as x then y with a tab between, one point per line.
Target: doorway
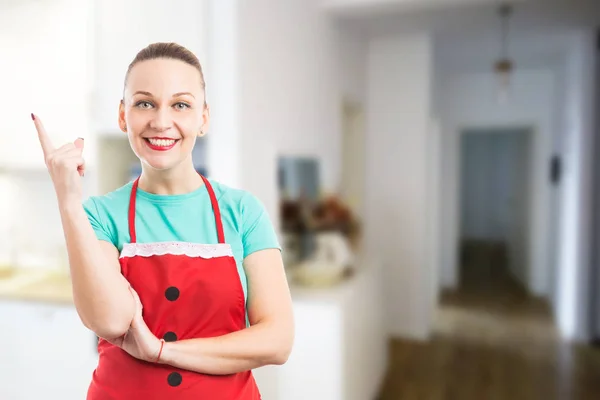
494	294
495	186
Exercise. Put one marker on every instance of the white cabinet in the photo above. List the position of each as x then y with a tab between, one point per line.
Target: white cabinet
123	29
46	45
46	352
340	345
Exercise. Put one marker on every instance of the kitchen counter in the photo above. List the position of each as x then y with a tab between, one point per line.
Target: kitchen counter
340	342
41	285
49	352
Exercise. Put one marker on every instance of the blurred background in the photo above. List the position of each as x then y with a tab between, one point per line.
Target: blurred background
431	168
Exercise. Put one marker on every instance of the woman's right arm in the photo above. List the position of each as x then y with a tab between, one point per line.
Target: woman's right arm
100	292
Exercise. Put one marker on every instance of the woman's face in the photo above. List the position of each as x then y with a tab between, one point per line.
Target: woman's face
163	111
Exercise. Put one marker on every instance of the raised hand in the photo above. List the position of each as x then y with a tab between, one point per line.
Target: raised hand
65	164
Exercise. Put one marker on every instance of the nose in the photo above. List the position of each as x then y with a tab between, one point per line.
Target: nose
162	120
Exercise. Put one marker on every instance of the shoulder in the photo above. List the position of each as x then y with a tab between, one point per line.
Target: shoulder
239	200
250	217
109	203
105	209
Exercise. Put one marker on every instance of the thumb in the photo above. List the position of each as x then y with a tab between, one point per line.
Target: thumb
79	143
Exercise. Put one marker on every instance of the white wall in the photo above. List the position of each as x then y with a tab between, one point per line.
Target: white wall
122	28
352	56
468	101
352	66
289	100
574	256
399	75
44	70
222	78
556	206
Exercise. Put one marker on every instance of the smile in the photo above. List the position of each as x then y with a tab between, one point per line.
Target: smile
161	144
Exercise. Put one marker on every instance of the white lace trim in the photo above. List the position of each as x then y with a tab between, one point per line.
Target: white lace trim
176	248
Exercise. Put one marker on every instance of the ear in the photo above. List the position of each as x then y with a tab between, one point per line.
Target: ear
122	123
205	121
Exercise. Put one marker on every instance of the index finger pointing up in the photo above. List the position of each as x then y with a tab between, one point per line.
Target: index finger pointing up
47	145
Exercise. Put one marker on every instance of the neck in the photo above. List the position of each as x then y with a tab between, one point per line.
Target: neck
178	180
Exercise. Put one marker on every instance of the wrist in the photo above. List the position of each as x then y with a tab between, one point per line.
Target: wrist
68	204
166	353
159	355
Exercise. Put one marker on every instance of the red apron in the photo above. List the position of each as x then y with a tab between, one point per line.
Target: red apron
188	290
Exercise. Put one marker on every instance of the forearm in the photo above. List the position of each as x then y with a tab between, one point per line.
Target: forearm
100	292
259	345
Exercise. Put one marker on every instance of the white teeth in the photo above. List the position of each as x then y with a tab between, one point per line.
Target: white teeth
161	142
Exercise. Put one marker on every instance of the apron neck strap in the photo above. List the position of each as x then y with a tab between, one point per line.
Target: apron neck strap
213	201
216	209
131	216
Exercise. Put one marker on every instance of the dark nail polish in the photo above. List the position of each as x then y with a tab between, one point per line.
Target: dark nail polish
32	116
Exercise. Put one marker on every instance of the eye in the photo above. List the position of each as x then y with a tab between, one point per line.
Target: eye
181	106
143	104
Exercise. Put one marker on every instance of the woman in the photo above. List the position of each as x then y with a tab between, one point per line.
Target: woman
181	277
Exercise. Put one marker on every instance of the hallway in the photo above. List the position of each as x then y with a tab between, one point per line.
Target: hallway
491	342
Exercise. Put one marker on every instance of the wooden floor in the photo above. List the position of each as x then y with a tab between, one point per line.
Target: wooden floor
492	342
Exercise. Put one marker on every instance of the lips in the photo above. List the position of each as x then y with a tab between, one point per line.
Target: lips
161	144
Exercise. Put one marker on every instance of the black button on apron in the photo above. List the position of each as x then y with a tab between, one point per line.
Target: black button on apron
172	293
170	337
174	379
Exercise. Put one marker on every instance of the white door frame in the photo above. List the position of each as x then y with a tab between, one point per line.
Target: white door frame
540	226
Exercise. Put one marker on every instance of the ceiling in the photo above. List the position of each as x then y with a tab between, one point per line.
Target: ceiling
530	15
468	36
470	53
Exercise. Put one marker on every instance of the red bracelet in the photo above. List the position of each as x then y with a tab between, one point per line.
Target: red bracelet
162	342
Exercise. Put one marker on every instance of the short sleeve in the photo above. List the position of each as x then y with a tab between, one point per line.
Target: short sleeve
91	209
258	232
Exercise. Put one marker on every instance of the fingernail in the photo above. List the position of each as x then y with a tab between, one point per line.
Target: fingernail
32	116
81	138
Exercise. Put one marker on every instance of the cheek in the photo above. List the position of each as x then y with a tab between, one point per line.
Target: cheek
135	122
188	127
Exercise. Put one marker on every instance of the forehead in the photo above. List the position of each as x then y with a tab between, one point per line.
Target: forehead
163	77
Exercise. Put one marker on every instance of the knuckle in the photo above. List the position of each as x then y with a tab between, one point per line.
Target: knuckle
57	162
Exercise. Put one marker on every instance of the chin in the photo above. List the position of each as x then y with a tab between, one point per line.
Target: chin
162	160
161	164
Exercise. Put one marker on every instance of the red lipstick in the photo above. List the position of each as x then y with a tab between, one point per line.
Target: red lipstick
160	143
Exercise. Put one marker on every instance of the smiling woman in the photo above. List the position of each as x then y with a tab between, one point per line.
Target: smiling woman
180	276
164	117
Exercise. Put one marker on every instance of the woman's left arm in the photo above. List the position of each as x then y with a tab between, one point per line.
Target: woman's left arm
267	341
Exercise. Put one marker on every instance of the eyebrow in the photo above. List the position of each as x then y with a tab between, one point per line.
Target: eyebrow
175	95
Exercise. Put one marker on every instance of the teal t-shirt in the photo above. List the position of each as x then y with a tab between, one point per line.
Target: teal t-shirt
185	217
